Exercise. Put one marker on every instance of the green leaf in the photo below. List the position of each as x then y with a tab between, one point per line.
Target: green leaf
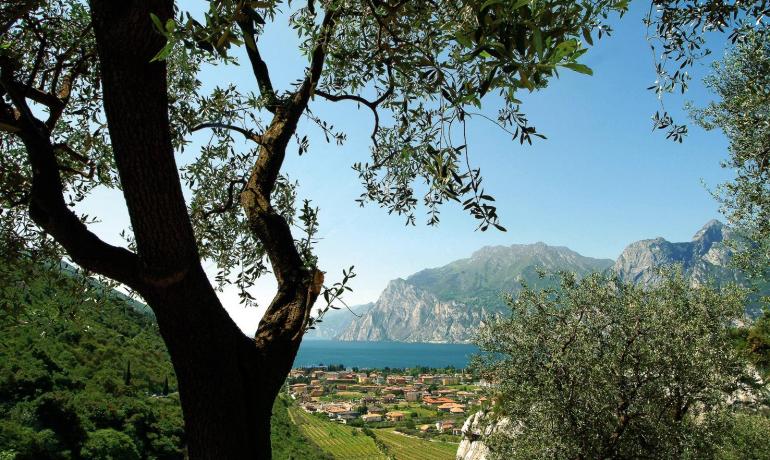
537	40
580	68
163	53
157	23
587	36
170	26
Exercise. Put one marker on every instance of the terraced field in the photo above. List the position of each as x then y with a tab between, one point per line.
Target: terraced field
338	440
409	448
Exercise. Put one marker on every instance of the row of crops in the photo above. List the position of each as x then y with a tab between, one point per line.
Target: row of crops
348	443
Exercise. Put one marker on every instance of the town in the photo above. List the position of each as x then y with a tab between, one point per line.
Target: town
418	402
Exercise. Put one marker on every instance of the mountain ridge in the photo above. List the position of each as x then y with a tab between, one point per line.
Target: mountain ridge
449	303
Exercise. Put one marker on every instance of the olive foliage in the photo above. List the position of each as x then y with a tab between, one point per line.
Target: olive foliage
681	33
741	84
597	368
421	68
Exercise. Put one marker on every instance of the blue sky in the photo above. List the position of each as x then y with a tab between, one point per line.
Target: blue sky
600	181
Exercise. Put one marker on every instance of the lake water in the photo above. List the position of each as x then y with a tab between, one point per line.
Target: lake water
384	354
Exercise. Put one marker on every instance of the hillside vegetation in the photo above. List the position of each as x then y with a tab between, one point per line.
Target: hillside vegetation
84	374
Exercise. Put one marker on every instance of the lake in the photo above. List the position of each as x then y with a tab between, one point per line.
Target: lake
384	354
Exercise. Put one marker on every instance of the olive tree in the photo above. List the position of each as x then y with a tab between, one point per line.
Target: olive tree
598	368
741	83
680	34
102	93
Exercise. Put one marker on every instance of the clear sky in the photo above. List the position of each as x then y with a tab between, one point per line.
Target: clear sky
600	181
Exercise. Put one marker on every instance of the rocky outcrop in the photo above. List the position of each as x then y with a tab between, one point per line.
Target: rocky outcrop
405	313
449	303
475	429
703	259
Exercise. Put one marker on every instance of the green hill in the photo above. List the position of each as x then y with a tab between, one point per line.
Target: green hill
84	373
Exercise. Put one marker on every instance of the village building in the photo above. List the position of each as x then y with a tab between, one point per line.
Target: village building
395	416
412	396
448	380
370	418
447	407
298	388
443	426
427	379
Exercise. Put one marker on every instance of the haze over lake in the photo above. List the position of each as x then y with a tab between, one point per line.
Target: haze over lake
384	354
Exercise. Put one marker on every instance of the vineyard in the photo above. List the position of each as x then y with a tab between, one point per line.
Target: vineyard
347	443
338	440
411	448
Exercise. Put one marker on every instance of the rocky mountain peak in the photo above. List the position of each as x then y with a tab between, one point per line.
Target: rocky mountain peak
713	232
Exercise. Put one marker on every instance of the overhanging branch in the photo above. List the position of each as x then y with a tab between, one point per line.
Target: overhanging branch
258	65
47	206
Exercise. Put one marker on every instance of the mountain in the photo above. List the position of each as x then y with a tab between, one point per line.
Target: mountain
336	321
447	304
493	269
703	259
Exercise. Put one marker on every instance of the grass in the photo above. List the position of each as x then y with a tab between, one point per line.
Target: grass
338	440
411	448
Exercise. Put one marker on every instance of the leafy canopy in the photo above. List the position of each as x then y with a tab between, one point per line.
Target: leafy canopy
741	84
423	69
597	368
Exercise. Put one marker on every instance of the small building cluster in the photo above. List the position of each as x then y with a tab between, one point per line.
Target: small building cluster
438	402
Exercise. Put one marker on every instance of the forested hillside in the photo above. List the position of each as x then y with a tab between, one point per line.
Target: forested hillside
84	374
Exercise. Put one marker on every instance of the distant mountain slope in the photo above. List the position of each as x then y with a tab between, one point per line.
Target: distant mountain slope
705	257
493	269
336	321
447	304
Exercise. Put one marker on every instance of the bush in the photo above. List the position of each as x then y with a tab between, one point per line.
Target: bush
109	444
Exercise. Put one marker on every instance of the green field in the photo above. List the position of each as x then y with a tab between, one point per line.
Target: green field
338	440
341	442
411	448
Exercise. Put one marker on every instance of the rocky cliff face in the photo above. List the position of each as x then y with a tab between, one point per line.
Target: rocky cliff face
705	257
449	303
475	429
336	321
406	313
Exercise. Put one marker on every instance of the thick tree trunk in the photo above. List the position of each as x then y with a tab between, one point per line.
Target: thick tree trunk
227	381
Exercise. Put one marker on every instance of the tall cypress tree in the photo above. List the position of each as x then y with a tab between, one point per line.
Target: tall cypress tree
127	374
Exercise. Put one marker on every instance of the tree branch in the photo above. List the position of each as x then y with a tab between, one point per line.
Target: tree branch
258	65
317	59
248	134
46	199
230	197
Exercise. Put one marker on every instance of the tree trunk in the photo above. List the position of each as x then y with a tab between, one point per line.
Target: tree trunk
227	382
